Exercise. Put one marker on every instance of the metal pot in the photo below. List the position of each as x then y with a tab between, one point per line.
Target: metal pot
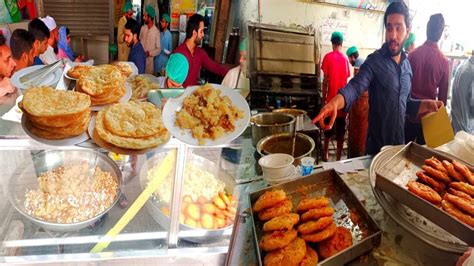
297	113
282	143
265	124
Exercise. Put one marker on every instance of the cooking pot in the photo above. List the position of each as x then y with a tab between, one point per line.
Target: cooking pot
282	143
265	124
297	113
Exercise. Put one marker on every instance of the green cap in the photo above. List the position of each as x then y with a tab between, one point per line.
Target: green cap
243	45
166	17
411	39
150	11
351	50
127	6
337	34
177	68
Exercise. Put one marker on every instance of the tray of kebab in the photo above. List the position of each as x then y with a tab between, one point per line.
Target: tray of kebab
436	185
314	219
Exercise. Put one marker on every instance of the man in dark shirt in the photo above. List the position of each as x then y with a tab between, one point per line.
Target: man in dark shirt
41	33
137	53
430	75
196	56
387	75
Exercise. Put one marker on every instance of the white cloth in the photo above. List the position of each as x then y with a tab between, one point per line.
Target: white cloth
50	22
162	82
150	39
230	79
48	57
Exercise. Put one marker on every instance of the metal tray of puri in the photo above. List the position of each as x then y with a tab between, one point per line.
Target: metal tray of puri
365	232
414	223
398	170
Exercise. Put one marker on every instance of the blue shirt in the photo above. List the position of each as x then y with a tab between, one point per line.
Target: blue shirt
138	57
359	61
37	61
389	86
162	58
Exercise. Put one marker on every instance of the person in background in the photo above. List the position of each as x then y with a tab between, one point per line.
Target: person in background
137	53
165	41
353	55
386	73
430	75
196	56
175	72
237	76
7	67
49	56
6	34
41	34
123	49
64	46
462	104
335	67
410	43
22	48
150	38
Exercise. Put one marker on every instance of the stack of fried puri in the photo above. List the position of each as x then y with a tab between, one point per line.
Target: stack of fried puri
280	240
124	68
132	125
449	185
77	71
53	114
105	84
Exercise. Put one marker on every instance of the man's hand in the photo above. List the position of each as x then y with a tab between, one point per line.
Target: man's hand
80	58
329	110
147	53
429	106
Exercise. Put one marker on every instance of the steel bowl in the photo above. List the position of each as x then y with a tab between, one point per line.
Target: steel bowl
25	178
297	113
154	204
265	124
282	143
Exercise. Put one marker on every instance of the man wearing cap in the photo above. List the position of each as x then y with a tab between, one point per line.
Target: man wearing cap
237	76
335	67
165	43
123	49
410	43
150	38
175	72
137	53
49	56
353	56
430	75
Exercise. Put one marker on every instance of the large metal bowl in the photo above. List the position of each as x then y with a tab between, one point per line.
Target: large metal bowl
154	204
266	124
282	143
25	178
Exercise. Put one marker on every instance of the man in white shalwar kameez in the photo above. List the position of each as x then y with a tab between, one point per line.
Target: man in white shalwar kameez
150	38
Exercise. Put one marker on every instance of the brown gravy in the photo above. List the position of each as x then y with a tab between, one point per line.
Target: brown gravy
284	145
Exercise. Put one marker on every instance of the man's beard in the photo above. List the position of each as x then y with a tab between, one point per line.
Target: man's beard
197	41
396	52
130	44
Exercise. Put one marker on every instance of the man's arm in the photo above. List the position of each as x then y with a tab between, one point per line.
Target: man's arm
212	66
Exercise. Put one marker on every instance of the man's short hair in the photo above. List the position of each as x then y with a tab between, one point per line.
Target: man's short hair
132	25
398	7
435	27
336	40
3	41
21	42
193	25
38	29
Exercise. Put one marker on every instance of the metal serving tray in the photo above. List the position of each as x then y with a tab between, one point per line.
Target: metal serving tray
365	232
398	170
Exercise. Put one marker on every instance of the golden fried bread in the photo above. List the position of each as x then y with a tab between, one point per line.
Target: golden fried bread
54	121
133	119
100	80
312	203
77	128
424	192
454	211
124	68
48	102
436	185
452	172
320	235
466	205
314	214
277	239
77	71
58	133
313	226
283	222
292	254
436	174
269	199
464	170
341	240
464	187
311	257
275	211
436	164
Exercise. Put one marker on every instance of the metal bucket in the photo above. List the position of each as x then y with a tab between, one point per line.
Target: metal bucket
297	113
265	124
282	143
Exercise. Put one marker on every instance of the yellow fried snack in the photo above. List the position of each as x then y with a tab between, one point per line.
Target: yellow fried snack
77	128
269	199
424	192
454	211
277	210
464	170
48	102
310	258
124	68
286	221
314	214
321	235
464	187
313	226
77	71
312	203
277	239
100	80
292	254
133	119
341	240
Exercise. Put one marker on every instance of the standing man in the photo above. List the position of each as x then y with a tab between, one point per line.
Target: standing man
430	75
336	72
49	56
387	75
462	104
41	34
196	56
123	49
137	53
353	56
22	48
165	42
150	38
7	67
